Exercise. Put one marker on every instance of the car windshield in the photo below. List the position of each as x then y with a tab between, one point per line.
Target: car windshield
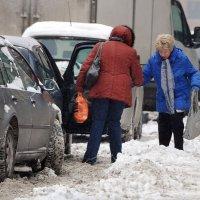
60	48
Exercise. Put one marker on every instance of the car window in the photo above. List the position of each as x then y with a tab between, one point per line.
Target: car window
81	56
24	52
33	61
36	65
9	70
1	78
25	72
181	29
60	48
20	61
1	75
46	69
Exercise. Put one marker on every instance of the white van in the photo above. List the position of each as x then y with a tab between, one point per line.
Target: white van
148	18
61	37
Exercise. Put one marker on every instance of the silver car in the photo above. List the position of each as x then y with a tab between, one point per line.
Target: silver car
30	131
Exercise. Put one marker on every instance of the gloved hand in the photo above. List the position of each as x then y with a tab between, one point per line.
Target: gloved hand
195	88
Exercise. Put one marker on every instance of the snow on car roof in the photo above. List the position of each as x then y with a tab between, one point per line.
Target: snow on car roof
53	28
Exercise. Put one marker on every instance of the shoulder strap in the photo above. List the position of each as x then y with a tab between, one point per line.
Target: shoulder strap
100	49
98	54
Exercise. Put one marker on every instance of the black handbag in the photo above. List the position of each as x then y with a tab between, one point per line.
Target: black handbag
93	72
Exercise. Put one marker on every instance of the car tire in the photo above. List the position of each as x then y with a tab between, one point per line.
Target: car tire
55	153
7	155
68	143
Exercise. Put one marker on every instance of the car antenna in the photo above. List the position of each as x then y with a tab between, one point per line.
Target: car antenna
69	13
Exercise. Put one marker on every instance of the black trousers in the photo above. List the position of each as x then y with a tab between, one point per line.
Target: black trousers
168	124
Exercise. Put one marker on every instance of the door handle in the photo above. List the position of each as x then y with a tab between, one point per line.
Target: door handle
14	99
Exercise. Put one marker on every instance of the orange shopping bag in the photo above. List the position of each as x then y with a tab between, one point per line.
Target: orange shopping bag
81	109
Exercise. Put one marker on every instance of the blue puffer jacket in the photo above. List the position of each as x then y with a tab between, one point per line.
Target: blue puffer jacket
185	77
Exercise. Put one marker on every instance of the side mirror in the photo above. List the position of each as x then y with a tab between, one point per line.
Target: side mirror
197	34
50	85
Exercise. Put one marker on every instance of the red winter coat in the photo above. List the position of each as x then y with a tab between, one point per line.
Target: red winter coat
119	70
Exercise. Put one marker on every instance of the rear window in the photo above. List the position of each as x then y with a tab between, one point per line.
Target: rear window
60	48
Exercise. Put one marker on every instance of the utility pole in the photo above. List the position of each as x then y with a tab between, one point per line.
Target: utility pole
70	20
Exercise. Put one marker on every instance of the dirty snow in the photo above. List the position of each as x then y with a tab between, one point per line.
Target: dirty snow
144	170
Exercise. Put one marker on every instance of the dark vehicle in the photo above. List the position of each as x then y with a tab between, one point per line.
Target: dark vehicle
46	70
41	64
30	133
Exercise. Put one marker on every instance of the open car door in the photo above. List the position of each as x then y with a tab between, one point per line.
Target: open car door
131	121
80	52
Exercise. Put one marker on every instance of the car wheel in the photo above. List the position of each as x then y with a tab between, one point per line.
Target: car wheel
7	155
55	154
68	143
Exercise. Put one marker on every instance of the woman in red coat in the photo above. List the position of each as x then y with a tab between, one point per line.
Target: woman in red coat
119	72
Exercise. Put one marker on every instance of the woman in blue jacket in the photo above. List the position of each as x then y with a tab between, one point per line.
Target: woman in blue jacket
174	76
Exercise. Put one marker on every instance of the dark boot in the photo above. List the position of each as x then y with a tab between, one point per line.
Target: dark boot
113	158
89	161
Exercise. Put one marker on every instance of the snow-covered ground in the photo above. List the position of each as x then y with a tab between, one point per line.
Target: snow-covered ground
144	170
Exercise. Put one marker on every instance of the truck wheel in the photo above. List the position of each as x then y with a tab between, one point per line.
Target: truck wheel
7	155
55	154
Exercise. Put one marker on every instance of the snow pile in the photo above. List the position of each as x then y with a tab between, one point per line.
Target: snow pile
148	171
144	170
46	172
55	192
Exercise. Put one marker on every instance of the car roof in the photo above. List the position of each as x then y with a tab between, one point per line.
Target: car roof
5	42
26	42
74	29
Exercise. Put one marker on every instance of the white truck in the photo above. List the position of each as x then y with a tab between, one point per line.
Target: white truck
148	18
